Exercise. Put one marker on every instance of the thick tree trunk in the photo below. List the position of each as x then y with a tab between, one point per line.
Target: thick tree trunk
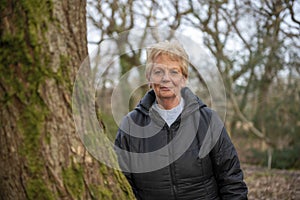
42	46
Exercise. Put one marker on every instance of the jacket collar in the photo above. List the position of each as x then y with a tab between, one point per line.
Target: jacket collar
190	99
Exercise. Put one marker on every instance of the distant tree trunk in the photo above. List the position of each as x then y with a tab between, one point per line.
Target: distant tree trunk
41	157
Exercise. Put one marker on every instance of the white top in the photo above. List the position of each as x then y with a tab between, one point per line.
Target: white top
170	115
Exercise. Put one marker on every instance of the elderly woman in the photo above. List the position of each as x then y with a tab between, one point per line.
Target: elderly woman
202	162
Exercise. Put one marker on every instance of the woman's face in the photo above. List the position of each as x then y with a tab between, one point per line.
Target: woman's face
166	78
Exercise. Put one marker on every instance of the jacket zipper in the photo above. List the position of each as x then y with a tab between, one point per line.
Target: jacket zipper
171	166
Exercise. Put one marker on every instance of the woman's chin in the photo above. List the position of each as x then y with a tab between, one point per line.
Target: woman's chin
166	94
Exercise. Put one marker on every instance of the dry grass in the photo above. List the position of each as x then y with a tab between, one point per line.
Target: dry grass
264	184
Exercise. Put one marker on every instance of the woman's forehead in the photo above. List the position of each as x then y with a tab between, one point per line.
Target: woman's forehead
166	66
167	60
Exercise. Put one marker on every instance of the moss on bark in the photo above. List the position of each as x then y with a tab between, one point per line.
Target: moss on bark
73	180
25	65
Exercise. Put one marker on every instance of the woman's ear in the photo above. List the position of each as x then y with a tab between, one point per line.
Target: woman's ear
184	81
149	82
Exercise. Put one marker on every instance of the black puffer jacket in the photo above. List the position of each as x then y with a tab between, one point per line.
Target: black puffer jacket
208	168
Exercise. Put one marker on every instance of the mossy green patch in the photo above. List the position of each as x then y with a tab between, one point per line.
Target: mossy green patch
36	189
62	76
73	180
111	128
126	188
23	63
30	124
103	169
100	192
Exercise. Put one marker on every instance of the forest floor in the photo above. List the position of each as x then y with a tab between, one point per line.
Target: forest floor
264	184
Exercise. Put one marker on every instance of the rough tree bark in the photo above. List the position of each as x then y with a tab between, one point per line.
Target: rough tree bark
42	46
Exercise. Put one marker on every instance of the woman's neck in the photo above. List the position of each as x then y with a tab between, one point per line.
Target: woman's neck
168	103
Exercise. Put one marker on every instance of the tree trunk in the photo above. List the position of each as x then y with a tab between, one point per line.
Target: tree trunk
42	46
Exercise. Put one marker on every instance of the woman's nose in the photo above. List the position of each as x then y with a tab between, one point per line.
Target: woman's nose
166	77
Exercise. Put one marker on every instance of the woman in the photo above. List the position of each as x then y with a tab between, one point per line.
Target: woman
199	160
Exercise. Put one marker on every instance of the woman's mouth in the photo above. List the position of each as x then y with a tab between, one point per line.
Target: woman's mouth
164	88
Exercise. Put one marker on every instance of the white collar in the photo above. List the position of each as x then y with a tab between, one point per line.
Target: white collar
170	115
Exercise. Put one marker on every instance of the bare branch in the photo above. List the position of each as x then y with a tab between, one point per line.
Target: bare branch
253	129
290	5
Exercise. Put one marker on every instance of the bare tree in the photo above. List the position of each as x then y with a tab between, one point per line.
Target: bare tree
252	42
259	29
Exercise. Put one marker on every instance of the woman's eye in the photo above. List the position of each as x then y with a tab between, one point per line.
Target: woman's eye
158	72
174	72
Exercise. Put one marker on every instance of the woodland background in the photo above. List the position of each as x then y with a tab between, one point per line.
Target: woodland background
254	44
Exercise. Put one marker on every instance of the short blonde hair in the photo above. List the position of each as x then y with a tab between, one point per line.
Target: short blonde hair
173	49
